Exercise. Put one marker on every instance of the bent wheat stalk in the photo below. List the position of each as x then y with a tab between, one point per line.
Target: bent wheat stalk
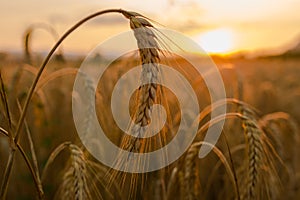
28	35
20	123
189	169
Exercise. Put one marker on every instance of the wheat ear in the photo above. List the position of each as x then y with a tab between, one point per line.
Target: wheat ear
190	176
149	56
190	173
74	185
147	95
254	145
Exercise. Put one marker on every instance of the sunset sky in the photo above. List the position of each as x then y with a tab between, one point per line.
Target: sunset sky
218	26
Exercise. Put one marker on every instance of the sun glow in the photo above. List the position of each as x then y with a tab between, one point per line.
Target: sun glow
216	41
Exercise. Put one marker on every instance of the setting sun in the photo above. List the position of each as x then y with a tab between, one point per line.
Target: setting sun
216	41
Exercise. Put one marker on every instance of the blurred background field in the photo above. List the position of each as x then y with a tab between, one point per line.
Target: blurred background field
271	84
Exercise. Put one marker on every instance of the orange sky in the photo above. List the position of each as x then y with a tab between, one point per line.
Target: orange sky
218	26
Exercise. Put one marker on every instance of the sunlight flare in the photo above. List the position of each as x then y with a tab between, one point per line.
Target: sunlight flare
216	41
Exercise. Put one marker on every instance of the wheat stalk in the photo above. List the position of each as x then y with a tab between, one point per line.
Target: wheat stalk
149	56
255	153
191	188
147	95
174	178
79	171
189	173
282	132
14	143
21	120
28	35
74	185
181	184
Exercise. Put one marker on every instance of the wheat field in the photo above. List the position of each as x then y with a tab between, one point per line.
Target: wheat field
42	156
